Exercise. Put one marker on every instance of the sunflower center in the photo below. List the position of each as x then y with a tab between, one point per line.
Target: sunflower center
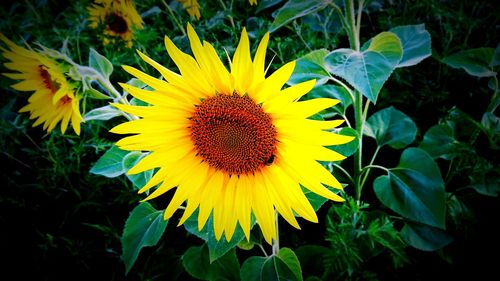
234	134
50	84
117	24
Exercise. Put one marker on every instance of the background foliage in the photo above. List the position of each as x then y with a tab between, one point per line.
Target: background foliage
60	222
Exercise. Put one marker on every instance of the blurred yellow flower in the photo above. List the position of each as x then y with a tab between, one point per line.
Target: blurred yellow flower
117	18
253	2
231	143
192	8
54	99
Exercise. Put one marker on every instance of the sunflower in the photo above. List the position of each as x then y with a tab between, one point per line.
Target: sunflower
253	2
192	8
232	143
118	18
54	99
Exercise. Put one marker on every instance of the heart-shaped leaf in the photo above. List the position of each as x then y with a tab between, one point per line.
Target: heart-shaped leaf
144	227
392	127
283	266
110	164
476	62
424	237
294	9
439	141
416	42
414	189
368	69
216	248
309	67
195	261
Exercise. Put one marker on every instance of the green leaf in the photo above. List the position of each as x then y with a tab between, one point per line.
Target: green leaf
100	63
216	248
110	164
264	4
439	142
144	227
196	262
476	62
294	9
129	161
347	149
416	42
424	237
291	260
495	61
102	113
368	69
332	91
309	67
309	255
392	127
283	266
414	189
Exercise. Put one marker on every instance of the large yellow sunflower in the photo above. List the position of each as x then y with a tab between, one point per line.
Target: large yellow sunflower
54	99
232	143
118	18
192	8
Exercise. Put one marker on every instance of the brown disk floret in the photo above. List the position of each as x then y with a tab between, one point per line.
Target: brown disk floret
232	133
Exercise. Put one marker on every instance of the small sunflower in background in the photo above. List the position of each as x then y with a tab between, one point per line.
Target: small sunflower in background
192	8
231	143
117	19
55	99
253	2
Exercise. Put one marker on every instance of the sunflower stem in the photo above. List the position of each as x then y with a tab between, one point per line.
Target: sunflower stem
276	242
352	27
179	25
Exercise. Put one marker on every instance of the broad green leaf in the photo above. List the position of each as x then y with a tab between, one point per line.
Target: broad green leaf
129	161
291	260
476	62
264	4
144	227
102	113
424	237
276	267
368	69
332	91
216	248
309	67
100	63
347	149
294	9
196	262
496	57
110	164
491	125
416	42
309	255
439	141
486	181
414	189
392	127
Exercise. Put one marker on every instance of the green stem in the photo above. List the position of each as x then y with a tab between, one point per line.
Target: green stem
342	170
365	177
179	25
366	168
351	25
358	156
229	13
276	242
